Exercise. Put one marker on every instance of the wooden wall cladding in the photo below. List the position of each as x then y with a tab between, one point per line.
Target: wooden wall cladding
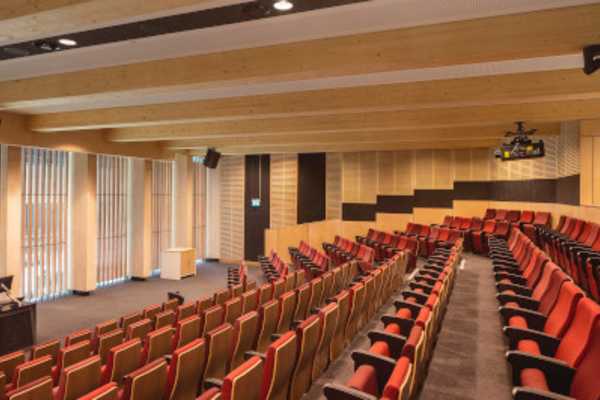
232	170
284	190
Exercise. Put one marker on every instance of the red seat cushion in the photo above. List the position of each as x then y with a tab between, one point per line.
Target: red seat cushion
364	379
518	322
397	378
529	346
534	378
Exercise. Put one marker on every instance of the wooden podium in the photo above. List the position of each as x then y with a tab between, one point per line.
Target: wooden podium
178	263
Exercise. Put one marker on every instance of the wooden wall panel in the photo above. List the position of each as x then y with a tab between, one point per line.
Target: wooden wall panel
403	172
442	169
386	176
351	177
232	170
284	188
480	164
596	173
333	186
424	172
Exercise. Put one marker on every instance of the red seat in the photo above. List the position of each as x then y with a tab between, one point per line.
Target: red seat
280	360
241	383
185	371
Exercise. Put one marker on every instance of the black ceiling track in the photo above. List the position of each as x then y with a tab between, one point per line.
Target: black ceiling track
233	14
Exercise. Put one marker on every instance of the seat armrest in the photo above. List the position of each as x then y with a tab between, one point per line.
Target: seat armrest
558	373
383	365
210	383
522	301
518	279
405	324
548	344
421	298
334	391
426	288
414	308
275	336
527	393
394	342
429	281
521	290
535	320
249	354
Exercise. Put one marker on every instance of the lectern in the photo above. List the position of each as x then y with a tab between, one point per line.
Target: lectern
17	321
178	263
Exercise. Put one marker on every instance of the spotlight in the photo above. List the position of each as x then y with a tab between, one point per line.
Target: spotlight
67	42
283	5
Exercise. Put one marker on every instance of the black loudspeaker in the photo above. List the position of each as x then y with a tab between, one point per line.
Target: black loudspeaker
212	158
591	56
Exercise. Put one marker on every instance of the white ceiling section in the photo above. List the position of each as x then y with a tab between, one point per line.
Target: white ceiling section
158	96
375	15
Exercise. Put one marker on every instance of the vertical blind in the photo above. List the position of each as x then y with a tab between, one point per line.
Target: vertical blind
199	209
162	191
111	193
45	204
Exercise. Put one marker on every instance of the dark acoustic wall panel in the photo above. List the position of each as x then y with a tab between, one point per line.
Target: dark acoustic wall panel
567	190
256	219
311	187
395	204
434	198
358	212
472	190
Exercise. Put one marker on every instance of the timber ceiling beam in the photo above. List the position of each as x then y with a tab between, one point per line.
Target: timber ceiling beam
536	34
35	19
499	89
371	121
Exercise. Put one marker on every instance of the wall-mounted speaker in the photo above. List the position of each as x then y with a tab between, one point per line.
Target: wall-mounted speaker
212	158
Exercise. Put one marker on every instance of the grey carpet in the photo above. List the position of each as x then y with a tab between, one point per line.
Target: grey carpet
60	317
468	360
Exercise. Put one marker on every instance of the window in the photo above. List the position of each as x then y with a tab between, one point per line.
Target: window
162	191
111	206
45	200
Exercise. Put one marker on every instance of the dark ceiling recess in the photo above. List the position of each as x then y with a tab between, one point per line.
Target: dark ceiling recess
233	14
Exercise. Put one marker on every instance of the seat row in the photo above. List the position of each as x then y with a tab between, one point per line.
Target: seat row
552	330
431	237
343	250
273	266
310	259
395	365
296	358
386	245
519	217
575	246
237	275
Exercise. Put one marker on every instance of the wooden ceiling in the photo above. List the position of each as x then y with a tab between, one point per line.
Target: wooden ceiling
451	84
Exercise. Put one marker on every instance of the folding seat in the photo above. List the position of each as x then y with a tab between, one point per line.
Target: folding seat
139	329
105	327
187	330
290	283
245	331
171	304
241	382
287	304
372	296
338	340
490	213
107	342
300	277
448	219
40	389
249	301
221	296
249	285
513	216
218	344
544	363
526	217
204	304
185	311
212	318
157	344
593	277
146	383
70	355
165	318
129	319
110	391
122	360
233	309
501	215
79	379
479	238
279	362
328	316
278	288
568	250
185	371
79	336
268	318
51	348
328	285
151	311
265	293
302	302
357	293
316	294
30	371
237	290
308	333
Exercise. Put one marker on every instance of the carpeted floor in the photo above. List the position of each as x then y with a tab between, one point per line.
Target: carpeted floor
58	318
468	360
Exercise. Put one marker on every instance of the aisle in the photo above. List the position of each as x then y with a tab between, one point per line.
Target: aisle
468	362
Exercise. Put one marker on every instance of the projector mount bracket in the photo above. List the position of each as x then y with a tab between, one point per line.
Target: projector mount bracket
591	57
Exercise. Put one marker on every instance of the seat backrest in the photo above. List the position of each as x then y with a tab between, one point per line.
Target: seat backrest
79	379
110	391
105	327
542	218
221	296
501	215
164	318
502	228
328	285
578	335
302	301
265	293
425	230
563	311
398	385
245	330
300	277
287	304
268	317
31	371
40	389
489	226
185	311
122	360
139	329
578	227
490	213
170	305
548	296
585	384
278	287
249	301
185	371
9	362
73	354
212	317
328	316
240	383
513	216
279	364
308	334
316	293
233	309
218	343
187	330
108	341
79	336
339	337
51	348
151	311
527	217
146	383
129	319
476	224
204	304
158	344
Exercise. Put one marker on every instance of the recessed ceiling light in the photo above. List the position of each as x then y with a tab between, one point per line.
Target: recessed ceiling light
283	5
67	42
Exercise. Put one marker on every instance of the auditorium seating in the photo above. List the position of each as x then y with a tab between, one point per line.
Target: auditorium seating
310	259
343	250
273	266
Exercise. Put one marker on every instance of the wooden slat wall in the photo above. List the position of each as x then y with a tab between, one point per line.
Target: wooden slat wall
162	192
232	170
333	186
199	199
45	197
359	177
112	219
284	188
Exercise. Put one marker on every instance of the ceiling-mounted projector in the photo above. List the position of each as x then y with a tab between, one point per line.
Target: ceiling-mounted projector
521	147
